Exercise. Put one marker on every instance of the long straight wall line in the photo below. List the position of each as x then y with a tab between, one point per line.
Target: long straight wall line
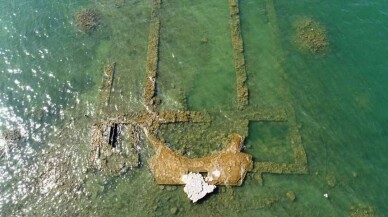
296	140
106	88
152	55
238	50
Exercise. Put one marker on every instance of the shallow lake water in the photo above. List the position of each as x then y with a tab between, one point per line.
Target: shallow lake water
51	75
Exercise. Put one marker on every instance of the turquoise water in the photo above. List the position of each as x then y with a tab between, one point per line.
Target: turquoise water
51	73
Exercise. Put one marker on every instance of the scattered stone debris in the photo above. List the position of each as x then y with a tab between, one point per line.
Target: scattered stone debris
86	20
291	196
56	172
196	188
331	181
8	140
119	3
174	210
204	40
362	212
171	188
311	35
12	135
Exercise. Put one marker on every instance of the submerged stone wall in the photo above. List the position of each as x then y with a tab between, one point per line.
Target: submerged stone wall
238	50
106	87
152	55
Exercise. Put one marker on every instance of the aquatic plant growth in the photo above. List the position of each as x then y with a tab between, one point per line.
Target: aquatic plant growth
311	35
86	20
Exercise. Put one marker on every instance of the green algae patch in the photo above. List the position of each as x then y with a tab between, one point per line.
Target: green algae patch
196	53
310	35
194	140
268	141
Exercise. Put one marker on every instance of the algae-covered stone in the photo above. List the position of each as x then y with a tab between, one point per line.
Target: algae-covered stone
331	181
174	210
291	196
119	3
114	147
8	140
171	188
12	135
361	212
86	20
311	35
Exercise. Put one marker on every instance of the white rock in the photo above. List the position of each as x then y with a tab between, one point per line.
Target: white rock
213	175
196	187
216	173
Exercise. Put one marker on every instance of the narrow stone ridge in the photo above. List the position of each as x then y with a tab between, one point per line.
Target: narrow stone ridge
238	50
106	87
152	55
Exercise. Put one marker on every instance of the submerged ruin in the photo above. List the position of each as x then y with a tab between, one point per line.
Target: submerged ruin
114	149
118	135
